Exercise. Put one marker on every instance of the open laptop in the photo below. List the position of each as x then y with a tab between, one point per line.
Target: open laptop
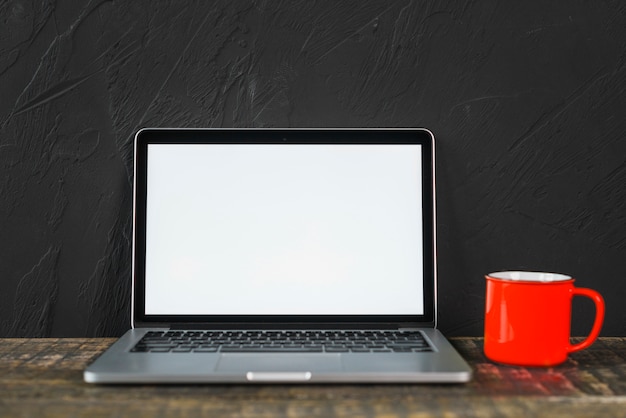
283	255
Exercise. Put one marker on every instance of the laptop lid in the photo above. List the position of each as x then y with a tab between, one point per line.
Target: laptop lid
280	228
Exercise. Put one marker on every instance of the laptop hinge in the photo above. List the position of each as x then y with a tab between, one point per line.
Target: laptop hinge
267	325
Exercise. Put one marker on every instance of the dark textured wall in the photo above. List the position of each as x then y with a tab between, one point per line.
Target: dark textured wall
526	100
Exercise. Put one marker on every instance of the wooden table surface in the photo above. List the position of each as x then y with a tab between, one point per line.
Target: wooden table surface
43	377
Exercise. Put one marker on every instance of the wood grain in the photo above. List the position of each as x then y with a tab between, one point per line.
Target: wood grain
43	377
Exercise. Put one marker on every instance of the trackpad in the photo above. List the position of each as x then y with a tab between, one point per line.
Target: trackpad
274	362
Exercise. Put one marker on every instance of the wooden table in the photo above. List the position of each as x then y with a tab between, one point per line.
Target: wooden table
43	377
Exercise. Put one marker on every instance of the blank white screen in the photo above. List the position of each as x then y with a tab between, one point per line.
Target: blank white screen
284	230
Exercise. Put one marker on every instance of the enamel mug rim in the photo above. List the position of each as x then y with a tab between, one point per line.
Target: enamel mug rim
517	276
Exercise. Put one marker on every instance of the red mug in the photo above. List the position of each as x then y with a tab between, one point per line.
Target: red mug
528	315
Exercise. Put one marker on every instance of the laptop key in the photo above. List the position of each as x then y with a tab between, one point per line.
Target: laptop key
205	350
170	346
408	347
337	349
160	350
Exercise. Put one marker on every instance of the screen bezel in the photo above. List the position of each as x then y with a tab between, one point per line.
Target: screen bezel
145	137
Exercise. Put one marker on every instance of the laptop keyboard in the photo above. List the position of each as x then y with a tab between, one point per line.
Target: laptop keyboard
308	341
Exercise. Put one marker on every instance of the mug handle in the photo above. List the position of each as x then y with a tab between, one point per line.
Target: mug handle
597	324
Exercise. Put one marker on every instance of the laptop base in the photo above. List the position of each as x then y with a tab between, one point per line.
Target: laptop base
120	365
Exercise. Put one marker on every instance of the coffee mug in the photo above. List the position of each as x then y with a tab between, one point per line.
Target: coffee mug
528	316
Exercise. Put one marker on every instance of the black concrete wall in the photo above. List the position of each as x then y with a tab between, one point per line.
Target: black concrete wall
526	100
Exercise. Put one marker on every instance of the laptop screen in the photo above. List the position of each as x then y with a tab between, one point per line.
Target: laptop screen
282	229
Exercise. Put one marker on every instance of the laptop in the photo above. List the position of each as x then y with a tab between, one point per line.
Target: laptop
283	256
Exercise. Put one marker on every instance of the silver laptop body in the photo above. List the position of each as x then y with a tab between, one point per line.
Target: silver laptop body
283	256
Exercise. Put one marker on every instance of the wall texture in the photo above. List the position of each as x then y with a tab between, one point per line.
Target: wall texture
526	100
